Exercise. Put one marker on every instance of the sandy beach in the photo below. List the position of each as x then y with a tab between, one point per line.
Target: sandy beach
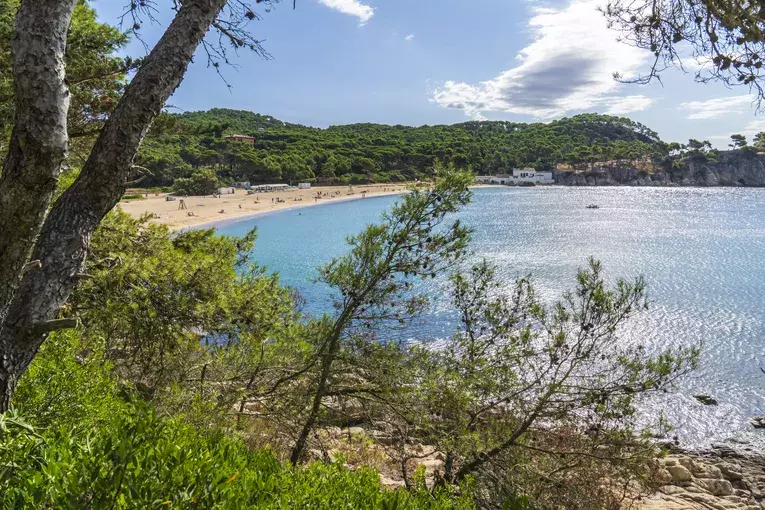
208	210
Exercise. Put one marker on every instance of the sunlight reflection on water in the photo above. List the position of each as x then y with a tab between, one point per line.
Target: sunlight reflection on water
702	252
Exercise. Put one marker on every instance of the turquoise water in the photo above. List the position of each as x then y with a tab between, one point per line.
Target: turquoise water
702	252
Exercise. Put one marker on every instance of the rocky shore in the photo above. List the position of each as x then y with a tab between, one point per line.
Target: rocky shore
720	479
731	169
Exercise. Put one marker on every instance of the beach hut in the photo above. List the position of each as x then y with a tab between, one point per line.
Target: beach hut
272	187
227	190
304	185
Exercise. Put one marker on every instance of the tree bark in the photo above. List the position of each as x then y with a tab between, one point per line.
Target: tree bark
38	143
63	241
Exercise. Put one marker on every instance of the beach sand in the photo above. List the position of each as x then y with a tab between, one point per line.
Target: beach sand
207	210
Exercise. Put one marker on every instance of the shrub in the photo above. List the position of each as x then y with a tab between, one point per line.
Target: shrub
132	196
141	461
202	182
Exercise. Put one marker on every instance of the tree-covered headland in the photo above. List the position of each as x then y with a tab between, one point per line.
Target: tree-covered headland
180	145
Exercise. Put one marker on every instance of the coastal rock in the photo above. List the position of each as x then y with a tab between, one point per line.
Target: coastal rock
705	399
356	431
758	422
732	168
730	474
716	487
708	481
679	474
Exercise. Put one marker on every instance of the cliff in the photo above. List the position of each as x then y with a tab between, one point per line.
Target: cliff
732	168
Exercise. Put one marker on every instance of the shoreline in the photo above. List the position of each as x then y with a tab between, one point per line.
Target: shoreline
241	207
244	217
209	212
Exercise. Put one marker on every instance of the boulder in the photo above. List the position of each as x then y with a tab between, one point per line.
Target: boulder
716	487
730	474
356	431
758	422
708	471
679	473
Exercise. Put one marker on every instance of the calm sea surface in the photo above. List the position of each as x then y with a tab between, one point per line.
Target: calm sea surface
702	252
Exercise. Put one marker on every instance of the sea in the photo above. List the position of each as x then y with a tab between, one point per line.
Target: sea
701	250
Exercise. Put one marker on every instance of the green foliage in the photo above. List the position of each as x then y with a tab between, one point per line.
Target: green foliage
138	460
132	196
373	282
759	140
530	404
95	75
363	153
724	38
69	385
538	401
201	182
101	443
152	295
737	141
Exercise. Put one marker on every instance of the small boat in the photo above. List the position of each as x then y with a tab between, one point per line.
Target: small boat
593	206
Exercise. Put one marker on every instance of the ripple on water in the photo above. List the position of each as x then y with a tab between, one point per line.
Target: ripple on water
702	252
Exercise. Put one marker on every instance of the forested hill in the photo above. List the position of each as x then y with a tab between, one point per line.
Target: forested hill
181	144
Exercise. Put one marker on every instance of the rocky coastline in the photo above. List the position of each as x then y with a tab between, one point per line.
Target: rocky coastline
718	479
732	168
723	477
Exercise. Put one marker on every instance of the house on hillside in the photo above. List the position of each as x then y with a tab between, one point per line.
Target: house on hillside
518	176
241	138
531	175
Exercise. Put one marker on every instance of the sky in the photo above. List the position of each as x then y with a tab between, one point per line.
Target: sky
418	62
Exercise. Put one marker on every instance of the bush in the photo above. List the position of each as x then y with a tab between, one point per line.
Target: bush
132	196
202	182
141	461
69	385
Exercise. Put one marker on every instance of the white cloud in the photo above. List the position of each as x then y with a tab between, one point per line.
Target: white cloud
717	107
351	7
568	66
409	37
751	129
628	104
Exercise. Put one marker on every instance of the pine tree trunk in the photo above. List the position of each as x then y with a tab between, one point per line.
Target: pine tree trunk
62	242
38	143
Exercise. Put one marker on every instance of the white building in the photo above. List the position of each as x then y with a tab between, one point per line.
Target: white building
500	179
271	187
304	185
518	176
226	191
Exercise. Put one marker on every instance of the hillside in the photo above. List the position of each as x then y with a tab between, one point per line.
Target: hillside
181	144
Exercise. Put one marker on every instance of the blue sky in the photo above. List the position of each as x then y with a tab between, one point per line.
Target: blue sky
420	62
